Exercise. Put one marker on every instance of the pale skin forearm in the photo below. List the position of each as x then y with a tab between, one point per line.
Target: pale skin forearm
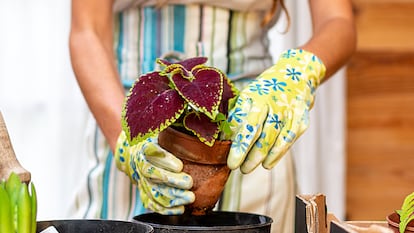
93	63
334	34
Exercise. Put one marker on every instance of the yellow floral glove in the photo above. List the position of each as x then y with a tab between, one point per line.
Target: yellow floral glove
163	187
273	111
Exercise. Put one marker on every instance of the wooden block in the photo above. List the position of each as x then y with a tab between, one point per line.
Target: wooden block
385	25
311	214
380	123
8	160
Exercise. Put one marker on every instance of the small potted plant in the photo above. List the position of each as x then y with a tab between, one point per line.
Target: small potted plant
185	103
403	218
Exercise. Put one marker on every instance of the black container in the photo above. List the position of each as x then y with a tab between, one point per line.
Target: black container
94	226
217	221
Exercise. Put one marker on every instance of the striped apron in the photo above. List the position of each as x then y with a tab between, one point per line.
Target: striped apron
234	42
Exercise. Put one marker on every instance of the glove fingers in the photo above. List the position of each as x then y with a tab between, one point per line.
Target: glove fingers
161	176
238	114
168	196
296	124
176	196
162	158
149	203
247	134
264	143
177	180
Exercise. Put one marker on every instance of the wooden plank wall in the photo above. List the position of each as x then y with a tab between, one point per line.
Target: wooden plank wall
380	110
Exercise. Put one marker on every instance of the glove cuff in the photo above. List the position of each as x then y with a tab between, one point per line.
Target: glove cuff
122	155
309	63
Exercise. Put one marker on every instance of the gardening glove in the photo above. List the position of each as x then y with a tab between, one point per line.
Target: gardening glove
163	187
273	110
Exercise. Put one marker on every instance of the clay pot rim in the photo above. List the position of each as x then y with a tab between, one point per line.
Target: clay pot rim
207	155
394	220
194	138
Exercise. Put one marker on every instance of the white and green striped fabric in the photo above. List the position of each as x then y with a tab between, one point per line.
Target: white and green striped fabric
234	41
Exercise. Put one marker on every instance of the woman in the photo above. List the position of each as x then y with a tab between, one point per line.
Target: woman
119	39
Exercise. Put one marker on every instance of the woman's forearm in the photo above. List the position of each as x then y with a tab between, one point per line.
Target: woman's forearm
334	33
91	50
96	74
334	45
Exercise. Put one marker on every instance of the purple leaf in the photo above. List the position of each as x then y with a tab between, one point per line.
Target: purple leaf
228	93
203	92
150	107
202	126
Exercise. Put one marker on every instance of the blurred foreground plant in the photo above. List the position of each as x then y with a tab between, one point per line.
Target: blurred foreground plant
18	206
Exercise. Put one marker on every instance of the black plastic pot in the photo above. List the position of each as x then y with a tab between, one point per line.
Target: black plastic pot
95	226
219	221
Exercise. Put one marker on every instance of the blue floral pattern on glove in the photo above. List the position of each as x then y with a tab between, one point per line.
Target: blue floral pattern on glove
273	111
163	189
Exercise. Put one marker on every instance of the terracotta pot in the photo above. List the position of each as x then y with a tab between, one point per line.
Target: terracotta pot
394	221
206	165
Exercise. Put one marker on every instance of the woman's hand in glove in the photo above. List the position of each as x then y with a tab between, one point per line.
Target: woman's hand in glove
273	111
163	187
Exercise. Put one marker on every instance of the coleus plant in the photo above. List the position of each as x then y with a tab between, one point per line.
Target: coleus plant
187	95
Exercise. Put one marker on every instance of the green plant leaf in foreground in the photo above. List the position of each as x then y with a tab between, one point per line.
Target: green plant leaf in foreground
33	202
12	185
18	206
407	212
24	210
6	217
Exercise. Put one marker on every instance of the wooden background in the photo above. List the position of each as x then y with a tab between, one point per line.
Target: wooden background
380	110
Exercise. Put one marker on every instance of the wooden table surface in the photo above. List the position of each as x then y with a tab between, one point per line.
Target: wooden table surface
364	226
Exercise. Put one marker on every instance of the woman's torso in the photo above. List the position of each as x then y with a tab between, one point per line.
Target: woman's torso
239	5
233	40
